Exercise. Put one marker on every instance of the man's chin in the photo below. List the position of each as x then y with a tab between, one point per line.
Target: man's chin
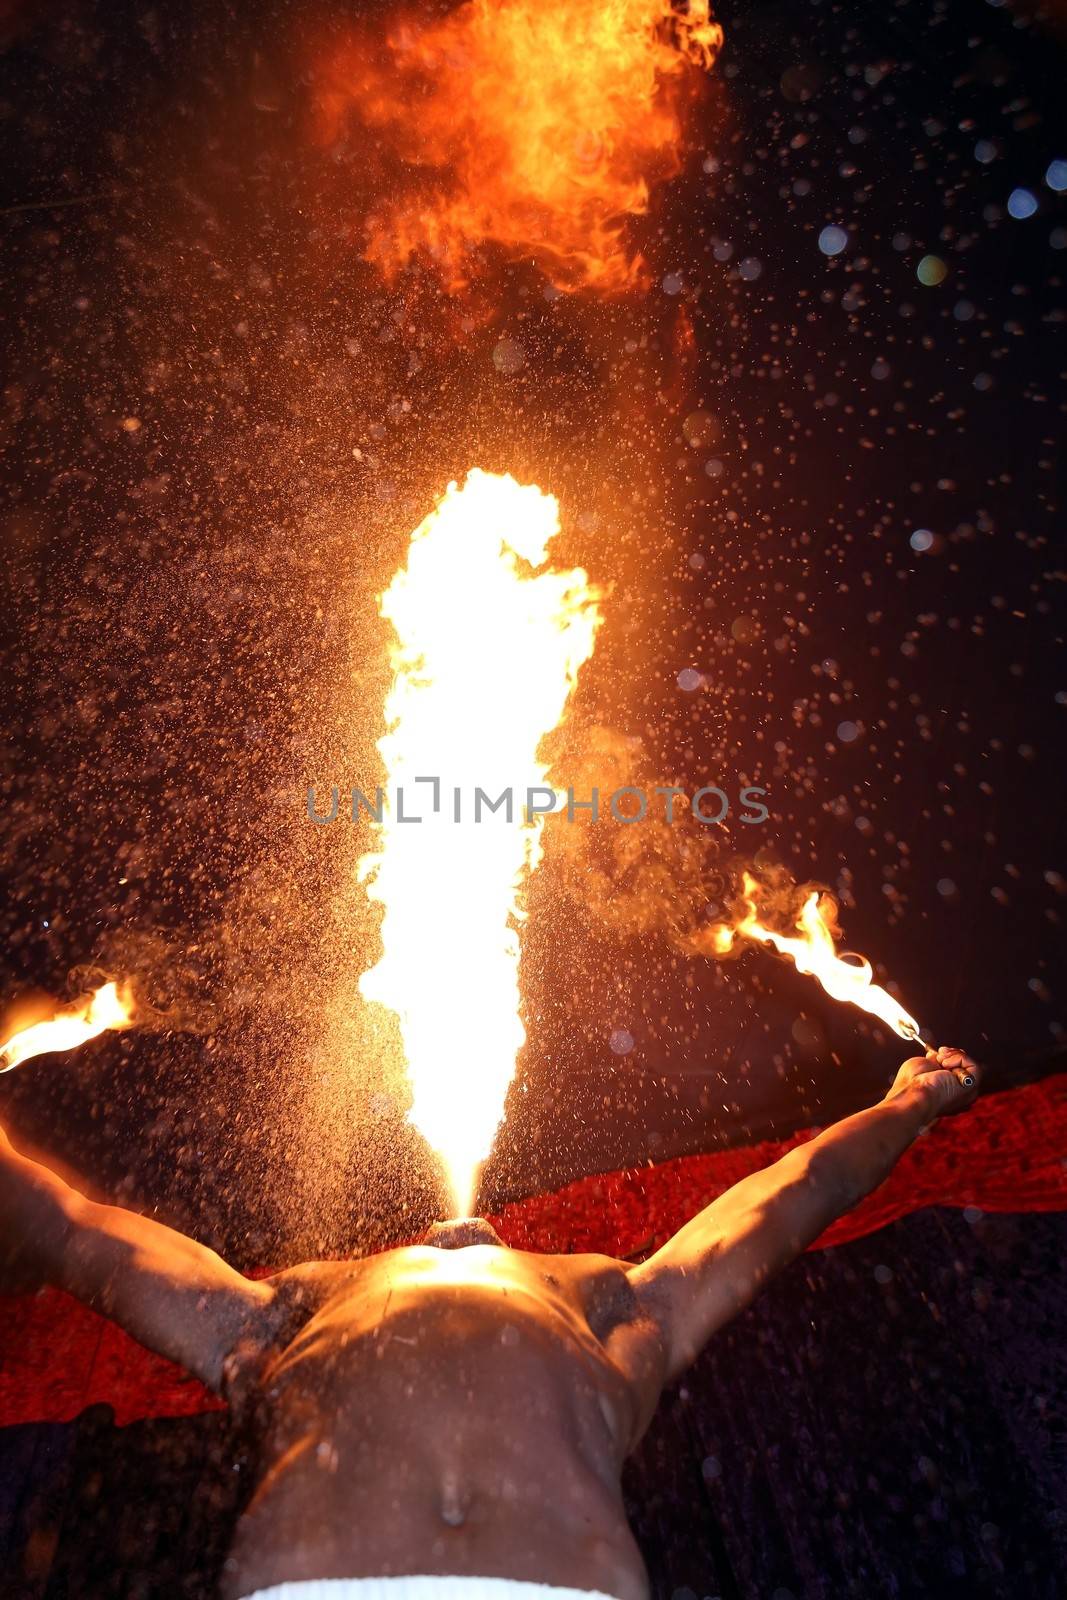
460	1232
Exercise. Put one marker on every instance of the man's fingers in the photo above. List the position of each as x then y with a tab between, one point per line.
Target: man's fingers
949	1055
930	1062
964	1080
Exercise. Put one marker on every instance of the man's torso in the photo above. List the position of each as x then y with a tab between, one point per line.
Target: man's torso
457	1412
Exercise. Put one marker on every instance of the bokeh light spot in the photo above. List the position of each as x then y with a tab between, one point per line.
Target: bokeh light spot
931	271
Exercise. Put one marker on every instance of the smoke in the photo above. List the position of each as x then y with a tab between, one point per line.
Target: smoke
654	876
668	874
164	978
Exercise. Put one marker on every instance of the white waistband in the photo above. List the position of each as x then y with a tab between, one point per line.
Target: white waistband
421	1588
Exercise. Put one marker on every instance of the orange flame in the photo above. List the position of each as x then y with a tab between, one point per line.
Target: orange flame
814	952
488	644
94	1014
538	125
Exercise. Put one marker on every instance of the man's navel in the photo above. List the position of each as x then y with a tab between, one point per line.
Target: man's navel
454	1501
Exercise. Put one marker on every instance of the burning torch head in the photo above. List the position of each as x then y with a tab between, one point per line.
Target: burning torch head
460	1232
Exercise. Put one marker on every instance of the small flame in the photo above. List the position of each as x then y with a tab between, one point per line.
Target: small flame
814	952
488	644
94	1014
536	125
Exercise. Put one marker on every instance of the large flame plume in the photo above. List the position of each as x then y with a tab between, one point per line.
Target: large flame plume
536	125
488	644
105	1009
813	950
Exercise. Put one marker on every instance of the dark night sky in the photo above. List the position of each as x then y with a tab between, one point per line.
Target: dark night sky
219	428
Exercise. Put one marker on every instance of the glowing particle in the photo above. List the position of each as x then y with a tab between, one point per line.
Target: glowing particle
672	283
1056	176
985	151
508	357
931	271
689	679
621	1042
1022	203
714	468
701	428
750	268
848	732
921	539
833	240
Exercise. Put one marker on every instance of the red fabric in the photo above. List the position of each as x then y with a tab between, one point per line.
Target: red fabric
1008	1154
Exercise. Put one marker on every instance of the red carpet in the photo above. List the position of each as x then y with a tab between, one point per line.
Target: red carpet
1008	1154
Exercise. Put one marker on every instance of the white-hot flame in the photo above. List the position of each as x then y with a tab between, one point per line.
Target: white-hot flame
488	644
95	1014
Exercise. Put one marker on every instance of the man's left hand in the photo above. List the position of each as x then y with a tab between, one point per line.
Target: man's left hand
939	1077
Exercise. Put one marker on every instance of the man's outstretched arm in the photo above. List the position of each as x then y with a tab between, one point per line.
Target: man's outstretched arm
714	1266
174	1295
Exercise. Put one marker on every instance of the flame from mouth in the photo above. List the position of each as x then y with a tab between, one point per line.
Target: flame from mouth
488	644
536	125
105	1009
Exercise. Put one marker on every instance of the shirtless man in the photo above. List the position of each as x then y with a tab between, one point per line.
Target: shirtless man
449	1421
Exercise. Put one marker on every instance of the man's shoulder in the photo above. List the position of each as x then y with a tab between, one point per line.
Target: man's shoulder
296	1295
582	1263
304	1288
